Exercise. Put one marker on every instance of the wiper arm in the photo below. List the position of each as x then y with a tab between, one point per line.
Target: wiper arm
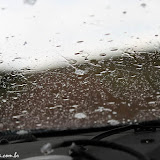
143	126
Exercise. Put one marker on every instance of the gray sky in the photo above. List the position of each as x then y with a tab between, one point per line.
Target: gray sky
45	35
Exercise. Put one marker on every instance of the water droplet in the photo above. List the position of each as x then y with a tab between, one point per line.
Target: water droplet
80	115
75	106
158	96
15	98
114	49
16	58
114	112
38	125
71	110
109	116
17	122
80	41
110	41
102	54
151	102
101	109
4	100
124	12
57	106
24	43
77	53
158	67
113	122
79	72
30	2
16	117
143	5
24	112
110	103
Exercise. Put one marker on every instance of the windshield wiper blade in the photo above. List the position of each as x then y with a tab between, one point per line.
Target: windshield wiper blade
19	136
143	126
16	138
112	132
31	135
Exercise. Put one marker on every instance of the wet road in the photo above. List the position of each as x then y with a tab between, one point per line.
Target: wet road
97	93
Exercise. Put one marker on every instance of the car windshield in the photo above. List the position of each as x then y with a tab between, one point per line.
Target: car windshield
78	64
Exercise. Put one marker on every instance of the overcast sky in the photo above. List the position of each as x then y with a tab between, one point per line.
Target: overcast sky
45	35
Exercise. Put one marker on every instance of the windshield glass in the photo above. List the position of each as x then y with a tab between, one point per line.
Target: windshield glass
78	64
